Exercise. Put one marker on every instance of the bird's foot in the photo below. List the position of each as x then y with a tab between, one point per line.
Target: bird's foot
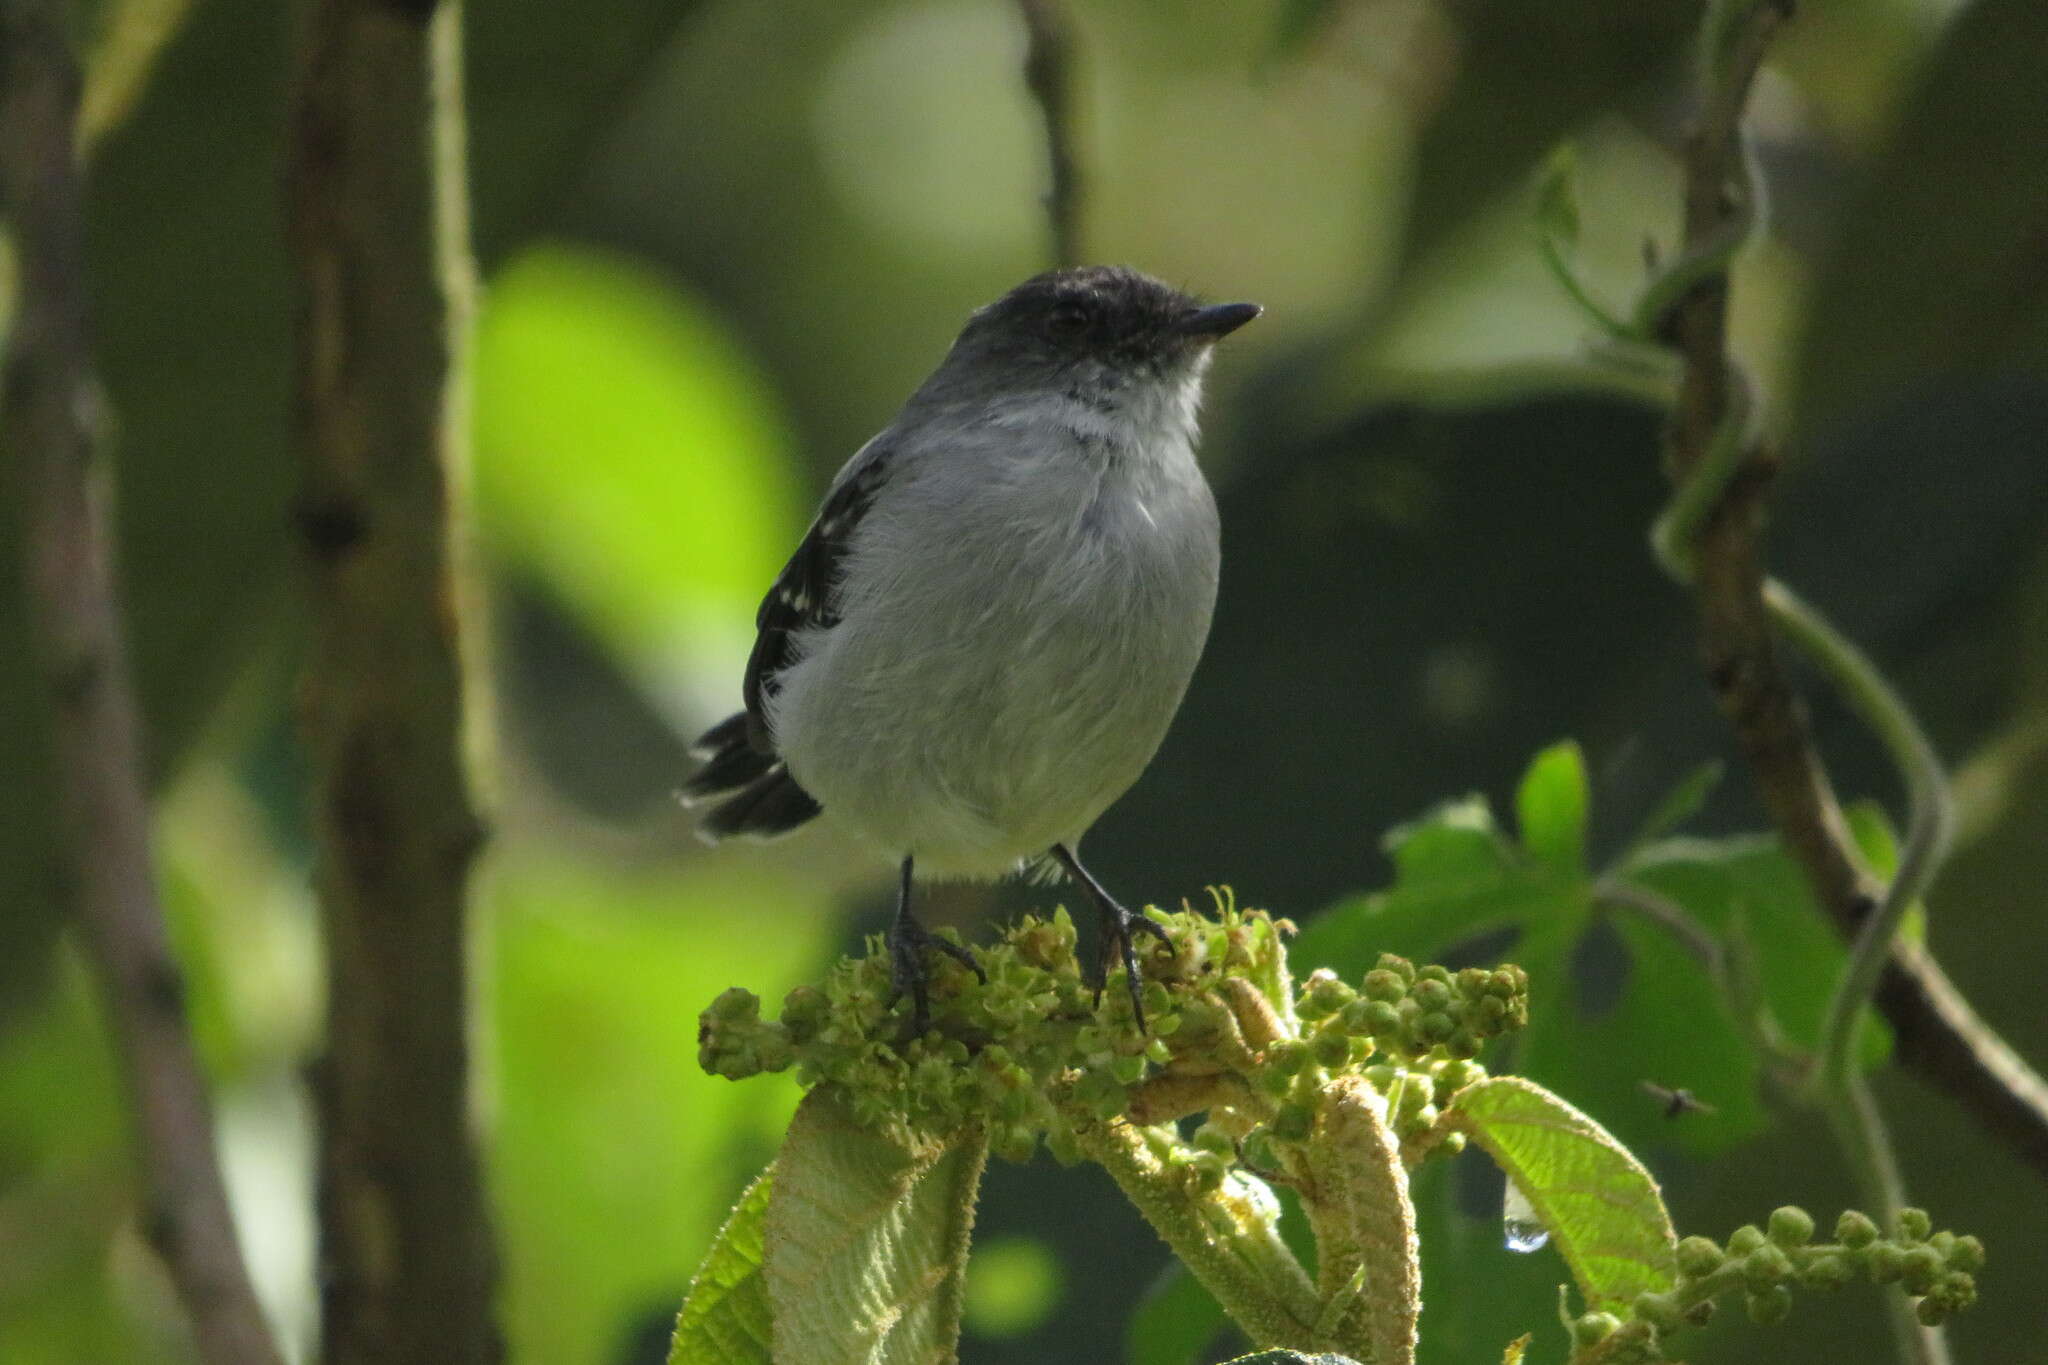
1117	926
908	943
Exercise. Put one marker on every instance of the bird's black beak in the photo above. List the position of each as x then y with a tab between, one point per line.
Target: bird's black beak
1218	320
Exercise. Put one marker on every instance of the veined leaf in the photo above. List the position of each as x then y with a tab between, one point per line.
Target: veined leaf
866	1240
726	1319
1602	1208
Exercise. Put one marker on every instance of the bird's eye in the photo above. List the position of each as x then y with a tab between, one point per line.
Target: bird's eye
1067	320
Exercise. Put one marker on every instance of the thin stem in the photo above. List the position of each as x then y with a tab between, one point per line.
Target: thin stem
52	420
1252	1274
1929	823
1049	75
1866	1145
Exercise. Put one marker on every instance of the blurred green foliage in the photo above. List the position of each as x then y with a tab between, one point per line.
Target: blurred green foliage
702	295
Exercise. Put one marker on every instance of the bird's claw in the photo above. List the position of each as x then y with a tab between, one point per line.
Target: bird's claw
908	942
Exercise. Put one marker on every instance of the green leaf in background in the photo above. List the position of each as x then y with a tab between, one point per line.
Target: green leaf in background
1615	1000
867	1240
1936	267
614	1158
1174	1322
1550	809
629	456
1602	1209
1681	803
725	1320
1013	1286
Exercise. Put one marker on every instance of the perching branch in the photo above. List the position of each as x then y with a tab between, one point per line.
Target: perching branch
1712	538
379	234
1049	74
50	417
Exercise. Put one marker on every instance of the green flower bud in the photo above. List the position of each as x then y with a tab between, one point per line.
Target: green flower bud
1590	1329
1433	995
1380	1077
1452	1144
1699	1257
1827	1270
1384	986
1913	1225
1432	972
1462	1045
1966	1254
1127	1069
1701	1313
1013	1143
1472	981
1768	1307
1325	995
1887	1262
1660	1311
1745	1239
1210	1138
1922	1266
1854	1229
1382	1020
1765	1267
1293	1122
1399	966
1791	1226
1287	1057
1452	1077
1424	1118
1931	1312
1330	1048
1437	1027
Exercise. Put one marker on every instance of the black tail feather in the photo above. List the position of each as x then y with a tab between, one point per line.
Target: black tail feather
756	796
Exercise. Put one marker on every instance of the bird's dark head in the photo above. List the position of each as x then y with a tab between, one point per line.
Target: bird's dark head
1098	326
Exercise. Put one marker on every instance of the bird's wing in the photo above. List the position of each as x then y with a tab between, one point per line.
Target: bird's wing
805	592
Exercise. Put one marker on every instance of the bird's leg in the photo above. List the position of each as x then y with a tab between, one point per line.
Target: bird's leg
1117	924
908	941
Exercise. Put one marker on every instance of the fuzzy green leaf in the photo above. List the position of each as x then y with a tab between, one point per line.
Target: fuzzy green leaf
726	1319
867	1240
1602	1209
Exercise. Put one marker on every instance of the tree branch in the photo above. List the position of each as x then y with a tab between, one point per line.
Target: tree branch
1049	75
1937	1034
50	416
379	233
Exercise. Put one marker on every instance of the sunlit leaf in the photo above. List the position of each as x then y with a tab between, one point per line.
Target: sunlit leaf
1291	1358
867	1240
1603	1210
601	1118
725	1319
1550	809
628	455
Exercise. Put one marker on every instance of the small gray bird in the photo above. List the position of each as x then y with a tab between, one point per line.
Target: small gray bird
984	636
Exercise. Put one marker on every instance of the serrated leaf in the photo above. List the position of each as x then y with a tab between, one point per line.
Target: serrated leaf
725	1318
1550	809
1603	1210
867	1240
